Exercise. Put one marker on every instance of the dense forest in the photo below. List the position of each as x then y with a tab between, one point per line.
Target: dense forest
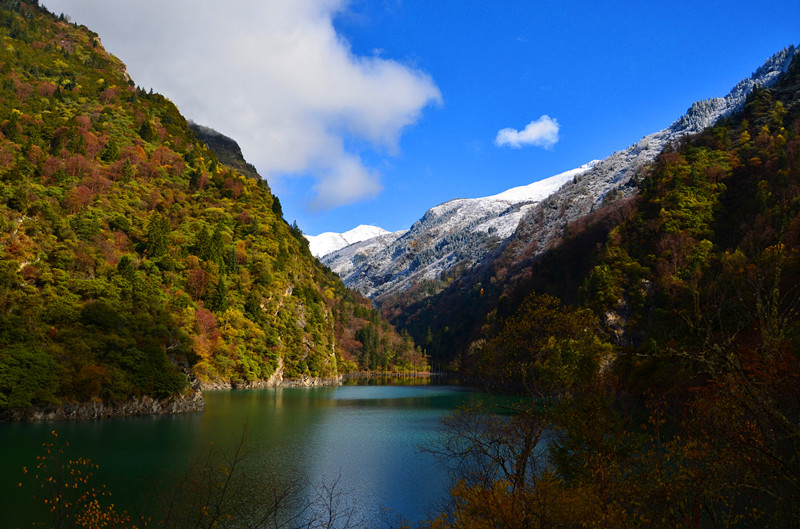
132	260
658	345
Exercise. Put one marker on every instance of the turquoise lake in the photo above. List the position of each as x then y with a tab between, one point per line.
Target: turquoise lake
366	435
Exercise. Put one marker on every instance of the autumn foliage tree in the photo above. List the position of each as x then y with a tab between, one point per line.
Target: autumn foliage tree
544	349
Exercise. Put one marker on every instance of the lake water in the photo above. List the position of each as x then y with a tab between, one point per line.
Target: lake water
366	435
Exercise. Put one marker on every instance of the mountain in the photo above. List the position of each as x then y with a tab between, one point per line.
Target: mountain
328	242
455	236
652	333
137	260
554	250
615	176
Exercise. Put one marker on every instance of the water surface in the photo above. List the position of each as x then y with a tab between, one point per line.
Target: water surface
366	435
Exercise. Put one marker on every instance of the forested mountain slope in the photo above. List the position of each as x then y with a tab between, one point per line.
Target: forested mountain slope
706	257
670	365
131	259
404	273
710	259
551	248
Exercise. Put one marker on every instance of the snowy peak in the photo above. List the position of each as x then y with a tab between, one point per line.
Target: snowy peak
460	232
329	242
469	209
542	189
495	213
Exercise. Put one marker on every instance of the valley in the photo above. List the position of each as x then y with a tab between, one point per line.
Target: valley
637	316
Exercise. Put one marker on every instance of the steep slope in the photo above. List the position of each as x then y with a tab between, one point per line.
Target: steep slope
715	238
226	149
614	177
131	259
699	286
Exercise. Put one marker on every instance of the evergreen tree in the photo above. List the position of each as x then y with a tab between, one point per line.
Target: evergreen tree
110	152
158	230
218	300
146	131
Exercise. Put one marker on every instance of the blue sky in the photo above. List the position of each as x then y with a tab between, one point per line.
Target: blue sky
371	112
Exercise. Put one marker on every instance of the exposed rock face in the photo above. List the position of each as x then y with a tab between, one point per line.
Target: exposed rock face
302	382
308	382
275	381
226	149
192	402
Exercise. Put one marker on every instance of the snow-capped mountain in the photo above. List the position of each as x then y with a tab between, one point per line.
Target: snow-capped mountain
325	243
613	177
460	233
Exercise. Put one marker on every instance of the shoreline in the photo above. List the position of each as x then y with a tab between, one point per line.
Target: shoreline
302	382
190	402
391	374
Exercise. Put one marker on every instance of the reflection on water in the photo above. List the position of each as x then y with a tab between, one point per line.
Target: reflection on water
368	435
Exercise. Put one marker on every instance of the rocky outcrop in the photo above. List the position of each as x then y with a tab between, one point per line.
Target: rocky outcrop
226	149
273	382
308	382
188	403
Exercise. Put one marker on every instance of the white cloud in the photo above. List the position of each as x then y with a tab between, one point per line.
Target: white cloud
345	183
542	132
272	74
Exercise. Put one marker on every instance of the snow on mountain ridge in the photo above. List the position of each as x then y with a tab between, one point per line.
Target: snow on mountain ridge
543	225
325	243
463	232
460	231
543	188
705	113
